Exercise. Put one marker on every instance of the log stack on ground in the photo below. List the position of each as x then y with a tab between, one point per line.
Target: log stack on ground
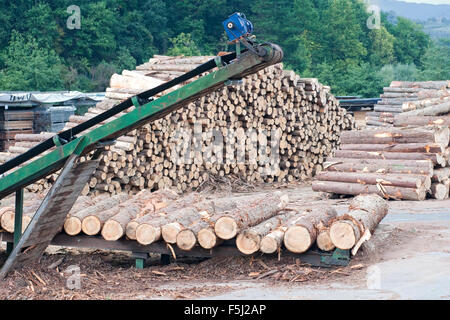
395	163
403	102
274	114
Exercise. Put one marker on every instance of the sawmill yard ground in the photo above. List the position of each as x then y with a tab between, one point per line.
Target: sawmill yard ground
407	258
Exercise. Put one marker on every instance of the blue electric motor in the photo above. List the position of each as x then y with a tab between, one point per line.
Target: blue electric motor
237	26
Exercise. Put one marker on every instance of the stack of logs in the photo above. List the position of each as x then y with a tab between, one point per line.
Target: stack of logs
262	222
396	163
407	102
274	114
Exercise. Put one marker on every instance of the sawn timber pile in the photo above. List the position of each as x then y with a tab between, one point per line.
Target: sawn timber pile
273	117
396	163
265	223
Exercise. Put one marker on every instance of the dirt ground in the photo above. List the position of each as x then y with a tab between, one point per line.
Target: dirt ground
407	258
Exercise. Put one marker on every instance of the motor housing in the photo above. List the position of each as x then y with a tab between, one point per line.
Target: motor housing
237	26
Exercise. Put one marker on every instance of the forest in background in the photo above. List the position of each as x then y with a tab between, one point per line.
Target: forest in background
325	39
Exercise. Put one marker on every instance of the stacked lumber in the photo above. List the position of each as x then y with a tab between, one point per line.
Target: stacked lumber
13	121
395	163
275	126
405	101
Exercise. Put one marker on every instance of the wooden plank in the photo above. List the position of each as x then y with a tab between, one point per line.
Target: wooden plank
50	216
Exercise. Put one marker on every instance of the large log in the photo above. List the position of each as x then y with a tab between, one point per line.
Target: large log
302	231
406	121
420	104
436	158
434	110
388	192
364	214
227	226
399	180
398	148
426	164
439	135
377	168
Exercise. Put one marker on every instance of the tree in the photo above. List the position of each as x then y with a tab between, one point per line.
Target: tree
436	62
398	72
410	41
183	45
381	50
39	23
29	67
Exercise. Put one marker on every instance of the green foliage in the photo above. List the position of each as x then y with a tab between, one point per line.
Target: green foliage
183	45
327	39
399	72
381	47
436	63
410	41
29	67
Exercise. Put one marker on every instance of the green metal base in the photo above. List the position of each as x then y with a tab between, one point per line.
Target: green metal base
9	248
338	258
140	263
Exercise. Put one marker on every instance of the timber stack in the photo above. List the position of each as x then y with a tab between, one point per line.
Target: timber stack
411	102
395	163
265	223
272	117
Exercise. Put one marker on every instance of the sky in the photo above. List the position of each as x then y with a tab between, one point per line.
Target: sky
429	1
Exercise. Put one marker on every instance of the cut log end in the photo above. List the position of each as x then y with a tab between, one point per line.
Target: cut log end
268	245
72	226
226	228
147	234
248	242
324	242
7	221
343	235
170	231
297	239
186	240
112	230
131	230
207	238
91	225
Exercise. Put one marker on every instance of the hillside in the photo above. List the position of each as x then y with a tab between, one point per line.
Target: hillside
414	11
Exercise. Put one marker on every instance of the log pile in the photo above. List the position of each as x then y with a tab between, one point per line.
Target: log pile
259	222
406	102
275	126
395	163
